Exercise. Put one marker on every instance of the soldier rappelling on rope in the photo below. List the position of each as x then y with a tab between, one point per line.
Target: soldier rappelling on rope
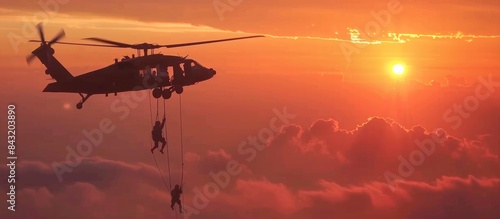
157	135
176	197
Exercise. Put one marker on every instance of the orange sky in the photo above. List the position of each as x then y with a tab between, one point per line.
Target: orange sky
355	119
323	32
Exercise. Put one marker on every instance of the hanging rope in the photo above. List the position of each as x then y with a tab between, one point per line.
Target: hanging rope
151	143
169	185
163	178
182	145
182	150
166	145
164	111
157	109
150	112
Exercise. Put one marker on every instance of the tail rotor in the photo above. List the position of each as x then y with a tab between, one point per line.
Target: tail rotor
44	46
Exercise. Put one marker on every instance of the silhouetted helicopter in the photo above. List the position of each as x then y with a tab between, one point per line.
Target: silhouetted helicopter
151	71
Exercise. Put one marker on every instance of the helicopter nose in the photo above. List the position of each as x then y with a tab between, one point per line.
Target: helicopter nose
213	71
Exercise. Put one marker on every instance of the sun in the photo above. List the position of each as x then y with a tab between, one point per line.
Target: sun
398	69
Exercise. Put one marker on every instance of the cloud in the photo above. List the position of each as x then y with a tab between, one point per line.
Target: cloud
262	194
417	198
455	80
248	16
320	171
98	188
326	151
446	197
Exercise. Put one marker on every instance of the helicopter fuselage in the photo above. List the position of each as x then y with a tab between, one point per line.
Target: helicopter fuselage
137	73
151	71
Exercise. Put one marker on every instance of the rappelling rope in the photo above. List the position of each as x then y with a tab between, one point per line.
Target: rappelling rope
169	186
150	114
166	146
182	145
159	171
168	154
182	148
157	109
151	143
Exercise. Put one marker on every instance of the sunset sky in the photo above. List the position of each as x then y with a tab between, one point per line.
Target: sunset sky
343	136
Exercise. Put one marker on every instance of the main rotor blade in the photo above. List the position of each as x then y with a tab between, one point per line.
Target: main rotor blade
210	41
40	32
118	44
80	44
60	35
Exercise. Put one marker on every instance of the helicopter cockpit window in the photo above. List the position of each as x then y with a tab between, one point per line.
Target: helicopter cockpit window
187	67
196	65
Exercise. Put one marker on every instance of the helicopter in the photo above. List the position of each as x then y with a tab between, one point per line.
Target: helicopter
149	71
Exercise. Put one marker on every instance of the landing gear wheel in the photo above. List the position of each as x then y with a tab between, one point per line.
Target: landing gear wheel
179	89
166	94
157	93
79	105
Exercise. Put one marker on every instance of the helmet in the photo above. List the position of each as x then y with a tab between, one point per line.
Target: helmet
157	123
